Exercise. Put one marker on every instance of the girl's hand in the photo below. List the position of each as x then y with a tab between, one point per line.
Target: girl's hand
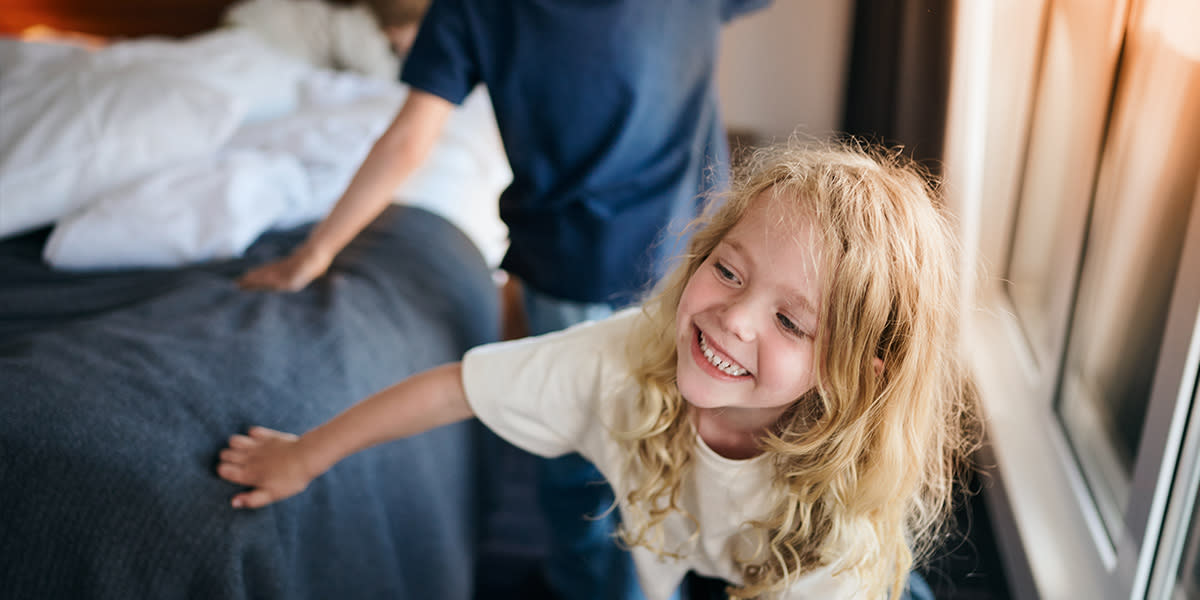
269	461
289	274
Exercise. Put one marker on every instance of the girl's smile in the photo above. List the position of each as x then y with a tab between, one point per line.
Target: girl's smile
721	365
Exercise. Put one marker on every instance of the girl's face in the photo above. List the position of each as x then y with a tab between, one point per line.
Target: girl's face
748	315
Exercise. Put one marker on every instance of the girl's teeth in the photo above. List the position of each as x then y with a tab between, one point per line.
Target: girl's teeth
722	365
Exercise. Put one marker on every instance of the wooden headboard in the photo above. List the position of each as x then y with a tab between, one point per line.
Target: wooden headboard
115	18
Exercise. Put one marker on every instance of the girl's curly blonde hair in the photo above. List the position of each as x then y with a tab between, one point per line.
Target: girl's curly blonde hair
865	463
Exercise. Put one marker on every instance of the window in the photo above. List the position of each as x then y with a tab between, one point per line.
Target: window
1079	62
1088	346
1138	218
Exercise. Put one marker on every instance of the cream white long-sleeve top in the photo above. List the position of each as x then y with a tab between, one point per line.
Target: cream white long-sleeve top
568	391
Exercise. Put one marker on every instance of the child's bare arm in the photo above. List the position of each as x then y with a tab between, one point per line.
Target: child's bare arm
280	465
398	152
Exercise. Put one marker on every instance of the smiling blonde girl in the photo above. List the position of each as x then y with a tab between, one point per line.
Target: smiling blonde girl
787	413
864	462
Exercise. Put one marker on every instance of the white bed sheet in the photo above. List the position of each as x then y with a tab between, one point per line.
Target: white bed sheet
299	135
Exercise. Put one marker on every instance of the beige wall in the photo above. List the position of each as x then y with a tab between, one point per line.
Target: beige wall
783	69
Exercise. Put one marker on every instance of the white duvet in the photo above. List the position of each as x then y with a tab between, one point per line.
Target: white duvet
162	153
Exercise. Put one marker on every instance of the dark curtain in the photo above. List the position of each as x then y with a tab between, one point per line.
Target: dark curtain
899	75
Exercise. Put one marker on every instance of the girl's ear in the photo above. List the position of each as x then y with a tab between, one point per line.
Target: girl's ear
878	364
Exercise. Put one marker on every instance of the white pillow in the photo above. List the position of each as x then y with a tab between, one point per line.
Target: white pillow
234	61
84	125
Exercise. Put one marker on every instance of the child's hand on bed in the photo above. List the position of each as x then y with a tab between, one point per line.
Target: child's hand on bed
269	461
288	274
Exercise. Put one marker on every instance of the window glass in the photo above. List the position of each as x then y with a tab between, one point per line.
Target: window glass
1067	129
1134	239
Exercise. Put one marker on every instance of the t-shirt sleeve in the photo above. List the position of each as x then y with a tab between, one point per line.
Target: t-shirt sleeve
442	60
545	394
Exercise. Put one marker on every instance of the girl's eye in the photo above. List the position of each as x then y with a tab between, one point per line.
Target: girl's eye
788	325
725	273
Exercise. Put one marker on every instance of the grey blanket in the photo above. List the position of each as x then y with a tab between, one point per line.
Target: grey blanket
119	388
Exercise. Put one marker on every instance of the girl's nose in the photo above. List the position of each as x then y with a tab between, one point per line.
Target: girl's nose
738	319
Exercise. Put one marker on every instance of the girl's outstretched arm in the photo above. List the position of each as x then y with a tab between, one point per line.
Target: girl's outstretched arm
279	465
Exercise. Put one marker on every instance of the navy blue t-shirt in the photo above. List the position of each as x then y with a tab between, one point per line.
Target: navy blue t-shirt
608	114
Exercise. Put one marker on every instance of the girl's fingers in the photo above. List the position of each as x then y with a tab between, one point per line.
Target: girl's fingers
242	441
231	472
251	499
233	455
243	449
262	433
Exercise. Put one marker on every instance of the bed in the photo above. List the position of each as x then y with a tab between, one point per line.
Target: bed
128	354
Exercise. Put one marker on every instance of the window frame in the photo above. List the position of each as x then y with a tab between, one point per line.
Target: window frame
1178	488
